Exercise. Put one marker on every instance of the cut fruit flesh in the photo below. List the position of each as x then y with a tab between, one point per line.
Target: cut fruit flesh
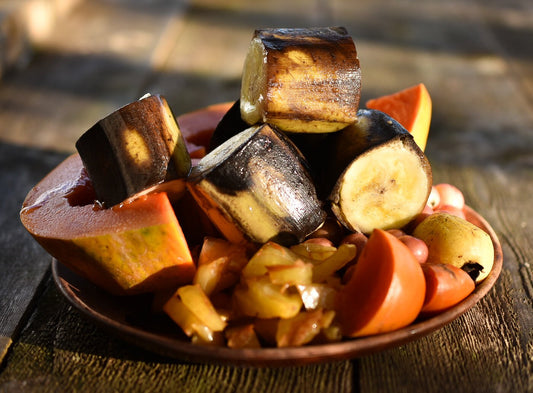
388	191
411	107
137	147
385	179
255	187
131	248
301	80
386	290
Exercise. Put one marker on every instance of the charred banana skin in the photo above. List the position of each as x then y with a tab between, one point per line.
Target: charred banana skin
256	187
230	125
134	148
383	179
301	80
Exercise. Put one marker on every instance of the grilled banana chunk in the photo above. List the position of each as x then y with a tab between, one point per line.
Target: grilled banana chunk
301	80
135	148
256	187
385	180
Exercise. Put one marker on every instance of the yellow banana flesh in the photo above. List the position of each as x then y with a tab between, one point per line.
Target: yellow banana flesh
255	187
390	190
385	179
301	80
137	147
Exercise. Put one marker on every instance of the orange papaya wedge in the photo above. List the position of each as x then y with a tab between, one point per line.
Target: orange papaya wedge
411	107
198	126
134	247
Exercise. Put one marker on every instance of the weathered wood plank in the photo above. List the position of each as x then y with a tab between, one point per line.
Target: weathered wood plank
72	83
60	351
480	140
25	24
23	262
204	66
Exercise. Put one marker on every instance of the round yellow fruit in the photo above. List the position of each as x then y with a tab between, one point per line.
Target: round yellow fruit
455	241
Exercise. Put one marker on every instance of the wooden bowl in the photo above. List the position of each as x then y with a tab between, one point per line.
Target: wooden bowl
130	319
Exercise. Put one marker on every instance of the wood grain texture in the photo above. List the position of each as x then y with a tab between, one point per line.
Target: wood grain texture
60	351
72	83
471	54
24	263
488	346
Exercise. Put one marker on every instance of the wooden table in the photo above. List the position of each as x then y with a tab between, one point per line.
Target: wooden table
475	57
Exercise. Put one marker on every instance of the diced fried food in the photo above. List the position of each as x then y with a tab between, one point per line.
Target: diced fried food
302	328
259	297
242	336
317	296
219	265
192	310
326	268
187	320
270	254
314	251
299	273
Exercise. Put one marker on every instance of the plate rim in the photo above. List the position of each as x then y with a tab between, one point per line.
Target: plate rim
318	353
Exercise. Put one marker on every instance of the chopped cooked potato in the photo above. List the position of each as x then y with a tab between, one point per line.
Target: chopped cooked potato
315	251
217	339
303	327
242	336
344	254
332	333
299	273
258	297
280	296
197	301
209	276
187	320
219	265
269	254
266	330
317	296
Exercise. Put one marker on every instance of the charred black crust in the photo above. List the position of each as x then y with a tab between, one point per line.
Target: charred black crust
473	269
231	176
230	125
102	168
98	146
281	38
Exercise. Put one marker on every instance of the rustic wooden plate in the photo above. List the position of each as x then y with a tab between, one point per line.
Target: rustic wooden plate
130	319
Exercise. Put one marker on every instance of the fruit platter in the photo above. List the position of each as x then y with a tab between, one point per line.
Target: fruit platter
293	225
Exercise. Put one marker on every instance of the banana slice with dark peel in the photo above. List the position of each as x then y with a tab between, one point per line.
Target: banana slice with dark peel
255	187
386	179
136	148
301	80
230	125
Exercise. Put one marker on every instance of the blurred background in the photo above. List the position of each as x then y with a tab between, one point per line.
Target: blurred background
68	63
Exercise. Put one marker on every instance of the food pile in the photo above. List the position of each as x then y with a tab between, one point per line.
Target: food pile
290	216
